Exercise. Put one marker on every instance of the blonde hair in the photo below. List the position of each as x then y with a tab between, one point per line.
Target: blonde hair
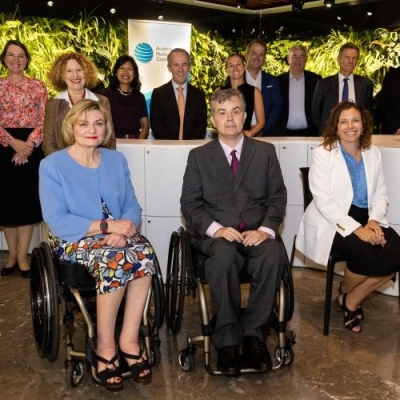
58	69
79	109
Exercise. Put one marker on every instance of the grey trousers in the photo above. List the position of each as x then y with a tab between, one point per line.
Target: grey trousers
265	263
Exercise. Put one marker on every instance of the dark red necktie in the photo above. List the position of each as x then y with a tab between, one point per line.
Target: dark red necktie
234	163
235	168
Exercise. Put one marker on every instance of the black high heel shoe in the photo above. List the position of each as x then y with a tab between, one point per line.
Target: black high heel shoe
25	273
350	317
359	310
139	367
8	271
111	371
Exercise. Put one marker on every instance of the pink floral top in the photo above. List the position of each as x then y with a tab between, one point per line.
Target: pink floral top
22	105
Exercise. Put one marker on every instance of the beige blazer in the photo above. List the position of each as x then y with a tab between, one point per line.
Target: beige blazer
56	110
330	184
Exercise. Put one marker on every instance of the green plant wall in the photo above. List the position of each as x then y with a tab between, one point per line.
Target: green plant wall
101	41
104	41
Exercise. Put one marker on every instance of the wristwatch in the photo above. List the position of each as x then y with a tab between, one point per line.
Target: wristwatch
104	226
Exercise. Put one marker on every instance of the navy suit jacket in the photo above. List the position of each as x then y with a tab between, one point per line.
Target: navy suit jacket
388	104
326	96
310	81
272	103
164	114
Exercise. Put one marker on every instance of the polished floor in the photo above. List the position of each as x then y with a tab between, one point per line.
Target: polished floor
342	365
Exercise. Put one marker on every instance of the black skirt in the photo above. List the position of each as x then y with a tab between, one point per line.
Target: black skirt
19	195
364	258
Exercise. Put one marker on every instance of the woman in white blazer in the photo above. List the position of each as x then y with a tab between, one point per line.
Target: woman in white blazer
348	211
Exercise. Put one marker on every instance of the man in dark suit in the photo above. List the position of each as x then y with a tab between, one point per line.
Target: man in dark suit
165	120
233	213
297	89
388	104
256	54
330	91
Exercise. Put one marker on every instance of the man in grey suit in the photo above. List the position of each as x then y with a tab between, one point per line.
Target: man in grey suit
165	120
331	90
233	200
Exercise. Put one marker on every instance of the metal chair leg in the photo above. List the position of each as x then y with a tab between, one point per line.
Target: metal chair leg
328	293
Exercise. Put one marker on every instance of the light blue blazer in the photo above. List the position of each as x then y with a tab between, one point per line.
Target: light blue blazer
70	194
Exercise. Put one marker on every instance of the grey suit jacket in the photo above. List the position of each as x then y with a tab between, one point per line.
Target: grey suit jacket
326	96
211	193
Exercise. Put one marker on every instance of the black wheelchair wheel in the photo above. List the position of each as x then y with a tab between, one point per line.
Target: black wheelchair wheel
158	301
287	279
155	355
176	280
186	360
74	373
44	302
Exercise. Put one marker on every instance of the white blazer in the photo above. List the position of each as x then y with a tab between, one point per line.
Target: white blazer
330	184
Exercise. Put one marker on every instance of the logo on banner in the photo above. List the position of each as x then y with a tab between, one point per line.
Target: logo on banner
143	53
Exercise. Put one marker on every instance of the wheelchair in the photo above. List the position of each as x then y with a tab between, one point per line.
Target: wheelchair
59	287
185	276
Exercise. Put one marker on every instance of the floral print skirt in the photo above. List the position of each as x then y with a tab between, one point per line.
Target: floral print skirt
112	267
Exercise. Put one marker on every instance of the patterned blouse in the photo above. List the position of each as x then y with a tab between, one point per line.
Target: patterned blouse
22	105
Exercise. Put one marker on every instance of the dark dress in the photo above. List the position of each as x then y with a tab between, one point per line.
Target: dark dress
126	112
364	258
19	198
248	94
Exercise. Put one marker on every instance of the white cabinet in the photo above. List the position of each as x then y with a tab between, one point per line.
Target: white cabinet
165	167
289	230
391	167
136	163
293	156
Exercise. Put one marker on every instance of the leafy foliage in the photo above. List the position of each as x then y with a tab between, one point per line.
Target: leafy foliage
104	42
46	38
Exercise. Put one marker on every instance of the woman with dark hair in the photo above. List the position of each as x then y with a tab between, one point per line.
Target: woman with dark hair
348	211
22	104
128	105
235	67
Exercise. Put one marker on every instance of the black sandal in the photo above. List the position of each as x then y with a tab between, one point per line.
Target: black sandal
111	371
350	317
139	367
359	310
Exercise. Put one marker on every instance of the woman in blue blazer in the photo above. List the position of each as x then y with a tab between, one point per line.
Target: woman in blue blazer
91	209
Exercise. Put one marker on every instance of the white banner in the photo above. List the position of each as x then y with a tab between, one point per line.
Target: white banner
149	44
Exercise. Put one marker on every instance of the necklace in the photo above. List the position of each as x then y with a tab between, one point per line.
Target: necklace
125	93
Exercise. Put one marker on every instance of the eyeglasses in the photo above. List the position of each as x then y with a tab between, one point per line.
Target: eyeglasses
19	57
